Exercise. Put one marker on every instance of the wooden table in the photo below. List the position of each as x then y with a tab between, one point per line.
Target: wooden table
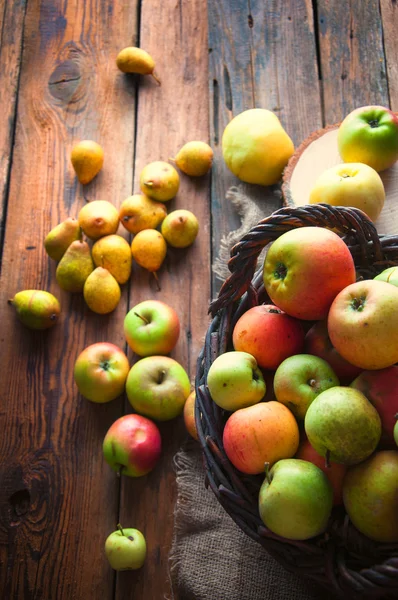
310	62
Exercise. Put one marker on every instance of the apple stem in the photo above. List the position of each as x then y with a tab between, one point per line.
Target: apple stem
157	280
267	475
141	317
120	528
327	459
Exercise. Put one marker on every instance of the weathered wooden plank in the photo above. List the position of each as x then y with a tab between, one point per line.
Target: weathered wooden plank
389	15
175	34
58	499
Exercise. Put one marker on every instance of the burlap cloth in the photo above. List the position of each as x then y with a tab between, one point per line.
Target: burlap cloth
211	558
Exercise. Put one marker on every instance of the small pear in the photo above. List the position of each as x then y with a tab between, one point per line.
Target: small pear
101	291
98	218
74	268
160	181
136	60
180	228
194	159
60	238
149	250
139	212
36	309
114	254
87	158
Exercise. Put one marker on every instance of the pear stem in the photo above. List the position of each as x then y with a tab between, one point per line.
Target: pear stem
267	475
10	300
327	459
156	78
157	280
173	160
120	469
120	528
141	317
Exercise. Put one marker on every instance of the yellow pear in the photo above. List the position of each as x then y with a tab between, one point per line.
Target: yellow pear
180	228
87	158
136	60
149	249
255	146
36	309
98	218
194	159
160	181
74	268
139	212
58	240
101	291
114	254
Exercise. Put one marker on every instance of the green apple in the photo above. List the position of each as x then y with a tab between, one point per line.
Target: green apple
396	430
151	327
125	549
235	381
295	499
389	275
299	379
342	425
157	387
369	135
370	494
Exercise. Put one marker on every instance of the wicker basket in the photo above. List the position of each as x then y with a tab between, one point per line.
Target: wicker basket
341	558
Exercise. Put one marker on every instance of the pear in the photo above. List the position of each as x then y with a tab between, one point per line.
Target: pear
87	158
101	291
36	309
180	228
74	268
98	218
136	60
60	238
194	159
139	212
149	250
113	253
160	181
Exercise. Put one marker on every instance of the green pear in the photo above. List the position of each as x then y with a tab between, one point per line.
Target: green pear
36	309
114	254
101	291
60	238
74	267
396	430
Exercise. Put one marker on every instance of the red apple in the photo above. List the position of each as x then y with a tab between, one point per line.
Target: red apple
268	334
305	269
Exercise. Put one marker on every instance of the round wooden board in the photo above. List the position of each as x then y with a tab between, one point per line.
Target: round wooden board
316	154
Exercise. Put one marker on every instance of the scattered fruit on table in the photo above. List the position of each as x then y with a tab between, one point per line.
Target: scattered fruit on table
363	324
74	267
157	387
369	135
136	60
160	181
98	218
265	432
58	240
370	493
255	146
101	291
152	328
100	372
36	309
132	445
149	249
389	275
180	228
305	269
189	416
342	425
113	253
269	334
125	549
139	212
194	159
296	499
350	184
300	379
87	159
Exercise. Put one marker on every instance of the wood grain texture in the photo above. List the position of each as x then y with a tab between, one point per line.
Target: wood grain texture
175	34
389	15
59	499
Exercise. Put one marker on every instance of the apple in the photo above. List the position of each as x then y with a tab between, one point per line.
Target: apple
342	425
235	381
396	430
295	499
151	327
300	379
333	471
268	334
317	342
100	372
381	389
132	445
189	416
157	387
125	549
369	135
389	275
363	324
370	493
305	269
265	432
350	184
